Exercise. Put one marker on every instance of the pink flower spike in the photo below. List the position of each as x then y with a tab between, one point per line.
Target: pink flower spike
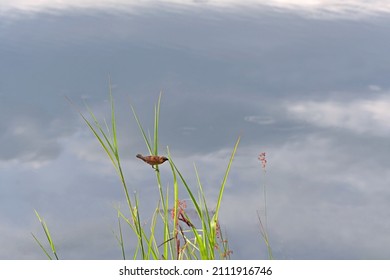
263	160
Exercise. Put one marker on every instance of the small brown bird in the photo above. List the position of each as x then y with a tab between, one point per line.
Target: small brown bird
152	160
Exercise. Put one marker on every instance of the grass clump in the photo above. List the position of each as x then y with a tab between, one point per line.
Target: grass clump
181	238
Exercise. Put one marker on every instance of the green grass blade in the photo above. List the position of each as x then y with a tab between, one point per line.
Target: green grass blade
103	140
192	197
224	180
43	248
139	229
113	121
156	124
202	199
142	130
120	238
47	233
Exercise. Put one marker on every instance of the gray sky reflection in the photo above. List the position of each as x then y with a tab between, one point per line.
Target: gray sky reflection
307	84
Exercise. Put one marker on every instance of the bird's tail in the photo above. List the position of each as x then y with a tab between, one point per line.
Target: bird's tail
140	156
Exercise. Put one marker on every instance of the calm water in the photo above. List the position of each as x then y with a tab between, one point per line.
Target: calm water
308	87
